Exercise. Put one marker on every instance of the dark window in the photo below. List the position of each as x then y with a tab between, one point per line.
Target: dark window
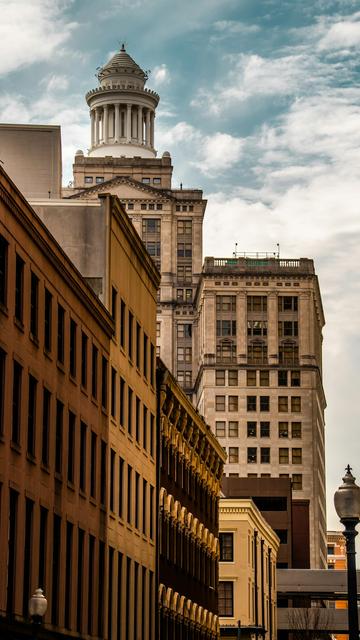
122	323
121	487
145	427
282	535
152	431
112	479
47	320
59	436
101	585
113	392
93	465
137	419
270	504
103	472
82	470
251	455
145	356
80	572
226	599
11	559
137	496
19	289
34	304
60	334
31	415
138	334
265	455
251	403
152	364
257	304
91	565
73	331
84	350
3	270
226	547
94	373
16	403
56	543
68	574
129	493
130	410
282	378
264	429
104	377
122	402
151	509
71	447
144	508
233	377
295	378
110	591
130	335
42	547
46	427
28	547
251	429
113	304
119	597
296	429
264	403
287	303
2	388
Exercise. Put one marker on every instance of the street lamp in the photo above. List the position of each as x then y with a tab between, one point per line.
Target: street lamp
37	606
347	505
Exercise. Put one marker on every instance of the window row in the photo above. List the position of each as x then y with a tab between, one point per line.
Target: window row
184	295
184	207
296	478
90	569
145	206
262	403
253	430
133	339
263	455
258	304
133	415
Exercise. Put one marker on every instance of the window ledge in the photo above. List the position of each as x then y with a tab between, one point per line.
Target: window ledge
34	339
45	468
19	324
70	485
15	446
30	457
47	354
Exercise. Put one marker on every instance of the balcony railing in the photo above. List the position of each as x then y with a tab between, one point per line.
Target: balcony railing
263	263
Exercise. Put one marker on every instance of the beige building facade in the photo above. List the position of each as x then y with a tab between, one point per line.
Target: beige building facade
259	380
247	571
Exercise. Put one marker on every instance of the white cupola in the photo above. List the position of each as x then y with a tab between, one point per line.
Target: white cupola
122	111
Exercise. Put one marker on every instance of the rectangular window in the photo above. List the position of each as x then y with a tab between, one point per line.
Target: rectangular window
104	382
152	364
144	508
283	404
113	304
112	480
46	427
257	304
225	328
137	419
122	402
138	343
151	225
130	410
145	427
220	377
19	289
59	436
256	328
264	378
113	393
251	403
252	455
288	329
264	403
219	403
225	303
296	429
220	429
296	482
251	378
282	378
68	574
47	321
265	455
226	541
42	547
233	455
121	487
34	305
296	404
82	470
73	332
184	249
80	580
152	434
31	431
283	455
152	507
233	377
296	456
287	303
94	371
56	545
93	465
145	356
122	323
184	273
233	429
130	335
129	494
137	497
226	599
283	429
28	551
184	227
71	447
233	403
158	329
84	349
60	334
251	429
3	270
295	378
103	454
264	429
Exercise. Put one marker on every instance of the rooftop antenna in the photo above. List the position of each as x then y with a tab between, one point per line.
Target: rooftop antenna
278	250
181	185
235	252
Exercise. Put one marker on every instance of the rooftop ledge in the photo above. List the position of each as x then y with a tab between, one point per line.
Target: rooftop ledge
258	264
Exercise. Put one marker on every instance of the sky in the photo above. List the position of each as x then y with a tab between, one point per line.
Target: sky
260	107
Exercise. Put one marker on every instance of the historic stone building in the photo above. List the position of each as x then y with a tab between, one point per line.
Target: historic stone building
77	430
191	467
259	380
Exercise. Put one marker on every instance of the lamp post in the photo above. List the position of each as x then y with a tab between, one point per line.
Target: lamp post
37	608
347	506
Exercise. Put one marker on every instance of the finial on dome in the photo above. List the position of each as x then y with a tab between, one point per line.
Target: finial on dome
123	47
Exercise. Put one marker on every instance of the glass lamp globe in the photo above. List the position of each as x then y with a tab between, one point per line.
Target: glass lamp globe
37	604
347	498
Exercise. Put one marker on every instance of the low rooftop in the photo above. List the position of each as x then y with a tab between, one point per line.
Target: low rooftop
258	263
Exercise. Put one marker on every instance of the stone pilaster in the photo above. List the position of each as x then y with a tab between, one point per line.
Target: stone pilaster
128	123
273	339
106	124
147	128
117	122
140	126
97	121
241	325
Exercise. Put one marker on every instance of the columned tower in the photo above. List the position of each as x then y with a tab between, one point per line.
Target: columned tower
122	110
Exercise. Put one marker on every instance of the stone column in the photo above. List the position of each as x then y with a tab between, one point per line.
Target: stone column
241	327
305	352
209	317
273	339
128	123
152	119
92	125
97	121
105	124
147	128
140	125
117	122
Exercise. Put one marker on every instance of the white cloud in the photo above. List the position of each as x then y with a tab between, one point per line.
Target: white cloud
234	26
55	83
342	34
160	75
31	31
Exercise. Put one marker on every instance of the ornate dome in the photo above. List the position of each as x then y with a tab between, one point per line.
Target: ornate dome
120	65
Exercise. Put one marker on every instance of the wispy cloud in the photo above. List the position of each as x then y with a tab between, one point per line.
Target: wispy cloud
160	75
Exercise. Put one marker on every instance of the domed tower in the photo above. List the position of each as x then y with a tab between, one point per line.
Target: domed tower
122	110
